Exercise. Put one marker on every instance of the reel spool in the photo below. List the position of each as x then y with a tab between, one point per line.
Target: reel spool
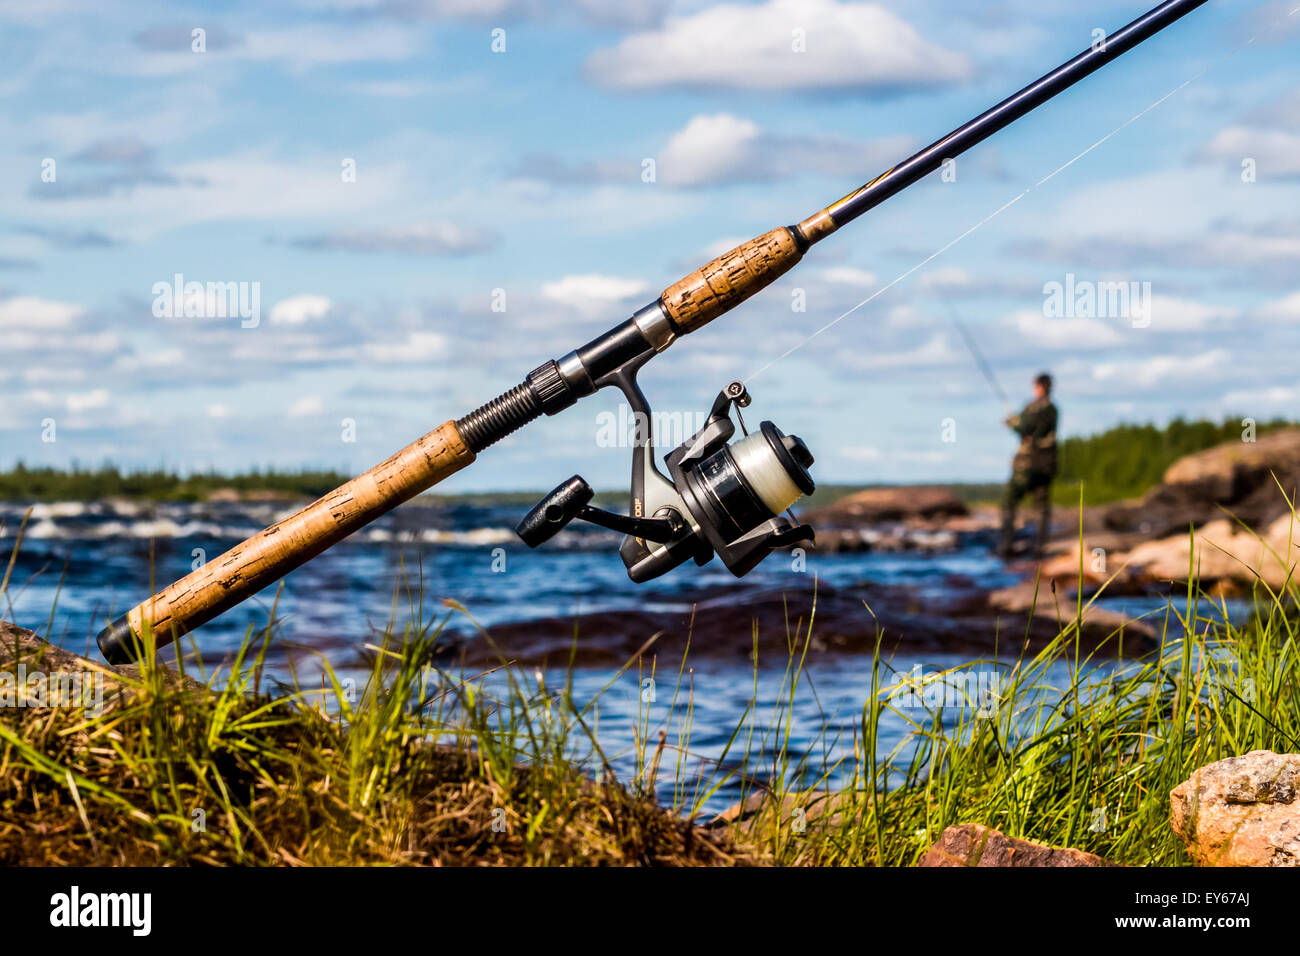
718	498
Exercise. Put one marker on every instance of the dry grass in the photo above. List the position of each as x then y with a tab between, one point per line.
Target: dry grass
179	772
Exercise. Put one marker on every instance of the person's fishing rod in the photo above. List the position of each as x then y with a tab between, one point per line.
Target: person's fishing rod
718	497
980	361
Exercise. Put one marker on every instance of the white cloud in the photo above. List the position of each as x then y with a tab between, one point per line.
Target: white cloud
163	51
40	373
298	309
1172	314
1063	333
163	358
306	406
1287	309
53	343
849	47
594	295
29	312
861	453
1276	152
709	149
417	347
432	238
946	278
714	149
934	351
85	401
1278	395
218	411
849	275
1159	369
238	187
308	45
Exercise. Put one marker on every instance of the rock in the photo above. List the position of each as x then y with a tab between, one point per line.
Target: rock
1097	623
916	540
1228	556
805	807
21	647
1242	811
950	616
879	505
971	844
1069	573
1222	468
1242	478
1224	550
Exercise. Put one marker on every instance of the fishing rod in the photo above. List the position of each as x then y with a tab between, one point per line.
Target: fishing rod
718	497
978	356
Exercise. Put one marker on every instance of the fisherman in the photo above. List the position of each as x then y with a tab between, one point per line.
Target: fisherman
1033	467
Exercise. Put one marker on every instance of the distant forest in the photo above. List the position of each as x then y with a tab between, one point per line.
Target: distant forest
108	481
1127	460
1121	462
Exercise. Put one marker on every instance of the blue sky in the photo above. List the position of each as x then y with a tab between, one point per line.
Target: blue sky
521	171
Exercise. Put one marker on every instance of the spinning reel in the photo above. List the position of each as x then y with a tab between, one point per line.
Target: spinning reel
718	498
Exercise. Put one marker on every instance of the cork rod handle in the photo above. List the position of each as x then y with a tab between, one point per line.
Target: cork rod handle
253	564
731	278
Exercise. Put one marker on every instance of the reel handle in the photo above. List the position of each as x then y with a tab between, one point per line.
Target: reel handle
552	513
571	500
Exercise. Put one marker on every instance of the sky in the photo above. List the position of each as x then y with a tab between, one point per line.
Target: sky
421	200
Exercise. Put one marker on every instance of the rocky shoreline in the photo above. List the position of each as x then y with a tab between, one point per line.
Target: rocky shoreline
1236	496
957	618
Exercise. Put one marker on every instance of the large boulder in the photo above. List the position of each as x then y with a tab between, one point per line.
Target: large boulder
1220	551
972	844
1228	557
1242	811
1096	623
1249	480
882	505
1226	470
47	669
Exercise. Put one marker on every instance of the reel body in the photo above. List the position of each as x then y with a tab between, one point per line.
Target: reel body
719	497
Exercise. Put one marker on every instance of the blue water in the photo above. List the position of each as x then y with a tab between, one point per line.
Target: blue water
82	565
98	560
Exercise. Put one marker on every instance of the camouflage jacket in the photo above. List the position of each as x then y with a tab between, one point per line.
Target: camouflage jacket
1036	426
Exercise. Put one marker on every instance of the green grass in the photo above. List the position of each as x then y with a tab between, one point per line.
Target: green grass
419	765
419	768
1083	761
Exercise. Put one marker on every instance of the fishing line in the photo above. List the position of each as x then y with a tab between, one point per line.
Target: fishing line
1007	205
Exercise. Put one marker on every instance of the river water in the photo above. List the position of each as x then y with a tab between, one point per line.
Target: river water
80	565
